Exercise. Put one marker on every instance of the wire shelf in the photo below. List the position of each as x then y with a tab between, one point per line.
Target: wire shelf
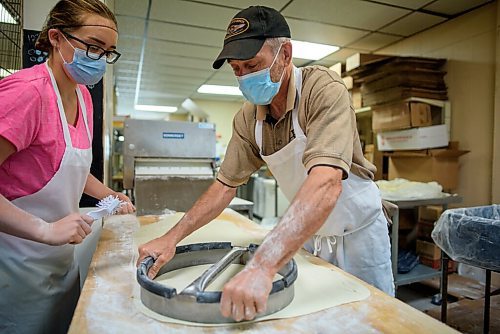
11	29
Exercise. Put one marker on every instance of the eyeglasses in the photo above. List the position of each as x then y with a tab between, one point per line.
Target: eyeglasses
95	52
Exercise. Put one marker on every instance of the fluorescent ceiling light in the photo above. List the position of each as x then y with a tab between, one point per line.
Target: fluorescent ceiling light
221	90
148	107
5	16
312	51
4	73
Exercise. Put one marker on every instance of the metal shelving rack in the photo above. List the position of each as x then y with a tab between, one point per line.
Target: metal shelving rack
11	29
420	272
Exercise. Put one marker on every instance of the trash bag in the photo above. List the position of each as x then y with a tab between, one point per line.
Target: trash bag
471	235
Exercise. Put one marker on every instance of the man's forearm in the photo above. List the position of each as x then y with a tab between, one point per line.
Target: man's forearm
205	209
306	214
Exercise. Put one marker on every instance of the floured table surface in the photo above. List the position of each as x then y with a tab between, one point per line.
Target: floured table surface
108	300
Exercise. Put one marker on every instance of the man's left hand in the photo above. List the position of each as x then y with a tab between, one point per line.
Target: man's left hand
245	295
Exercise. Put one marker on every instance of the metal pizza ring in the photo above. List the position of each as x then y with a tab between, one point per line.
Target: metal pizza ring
194	303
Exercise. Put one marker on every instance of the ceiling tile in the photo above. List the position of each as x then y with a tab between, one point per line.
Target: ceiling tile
128	58
413	23
222	81
131	7
166	70
185	34
192	13
341	55
182	49
162	80
128	43
152	59
300	62
241	4
410	4
223	76
214	97
374	41
454	7
131	26
323	33
347	13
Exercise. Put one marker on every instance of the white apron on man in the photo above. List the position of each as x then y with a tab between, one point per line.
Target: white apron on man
354	236
39	283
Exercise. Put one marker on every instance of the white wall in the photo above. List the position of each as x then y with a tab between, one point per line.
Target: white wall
222	114
35	12
469	44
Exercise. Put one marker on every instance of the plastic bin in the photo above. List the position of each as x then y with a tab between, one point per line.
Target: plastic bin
471	235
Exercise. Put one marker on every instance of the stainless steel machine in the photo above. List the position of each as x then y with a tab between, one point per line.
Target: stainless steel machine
168	165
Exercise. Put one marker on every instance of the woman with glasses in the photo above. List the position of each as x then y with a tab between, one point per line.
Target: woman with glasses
45	157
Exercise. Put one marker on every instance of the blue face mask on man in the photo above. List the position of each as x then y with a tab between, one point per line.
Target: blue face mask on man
82	69
257	87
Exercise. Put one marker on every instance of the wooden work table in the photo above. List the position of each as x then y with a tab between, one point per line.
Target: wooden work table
106	304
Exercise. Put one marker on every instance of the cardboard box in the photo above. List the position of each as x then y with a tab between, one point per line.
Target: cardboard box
358	59
401	115
401	93
440	165
413	139
424	230
348	81
368	153
436	264
407	219
337	68
356	98
428	249
429	213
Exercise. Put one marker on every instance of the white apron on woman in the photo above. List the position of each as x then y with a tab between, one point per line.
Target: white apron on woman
354	236
39	283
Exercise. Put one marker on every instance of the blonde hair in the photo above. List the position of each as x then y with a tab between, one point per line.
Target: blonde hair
69	14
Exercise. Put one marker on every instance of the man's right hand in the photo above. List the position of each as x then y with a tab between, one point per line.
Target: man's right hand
161	249
71	229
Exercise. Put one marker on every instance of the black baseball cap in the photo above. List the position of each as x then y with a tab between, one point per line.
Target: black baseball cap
247	32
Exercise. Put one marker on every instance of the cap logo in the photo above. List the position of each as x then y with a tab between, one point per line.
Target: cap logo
237	26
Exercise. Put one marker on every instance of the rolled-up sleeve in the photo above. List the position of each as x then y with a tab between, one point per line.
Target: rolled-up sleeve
330	126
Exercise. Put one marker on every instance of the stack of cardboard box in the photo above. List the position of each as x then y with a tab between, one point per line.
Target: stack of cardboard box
428	252
384	79
410	117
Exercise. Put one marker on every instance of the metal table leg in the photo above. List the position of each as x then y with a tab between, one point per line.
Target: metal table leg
394	247
444	286
487	292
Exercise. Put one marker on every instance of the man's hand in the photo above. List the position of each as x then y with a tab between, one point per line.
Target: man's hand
161	249
245	295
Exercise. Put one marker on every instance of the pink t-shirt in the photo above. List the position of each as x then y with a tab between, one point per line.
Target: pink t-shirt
29	119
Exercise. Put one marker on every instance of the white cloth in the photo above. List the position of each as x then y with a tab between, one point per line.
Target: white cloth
39	283
365	254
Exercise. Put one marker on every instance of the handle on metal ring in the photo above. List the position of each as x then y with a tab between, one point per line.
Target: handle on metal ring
148	283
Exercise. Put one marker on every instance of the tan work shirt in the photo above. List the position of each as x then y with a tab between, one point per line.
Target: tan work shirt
326	116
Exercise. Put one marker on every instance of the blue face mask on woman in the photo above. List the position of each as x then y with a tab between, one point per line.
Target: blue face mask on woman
257	87
82	69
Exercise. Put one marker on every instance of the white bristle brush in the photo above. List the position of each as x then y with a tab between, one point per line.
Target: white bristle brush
106	207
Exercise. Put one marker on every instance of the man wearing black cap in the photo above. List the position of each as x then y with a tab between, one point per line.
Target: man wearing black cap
301	123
